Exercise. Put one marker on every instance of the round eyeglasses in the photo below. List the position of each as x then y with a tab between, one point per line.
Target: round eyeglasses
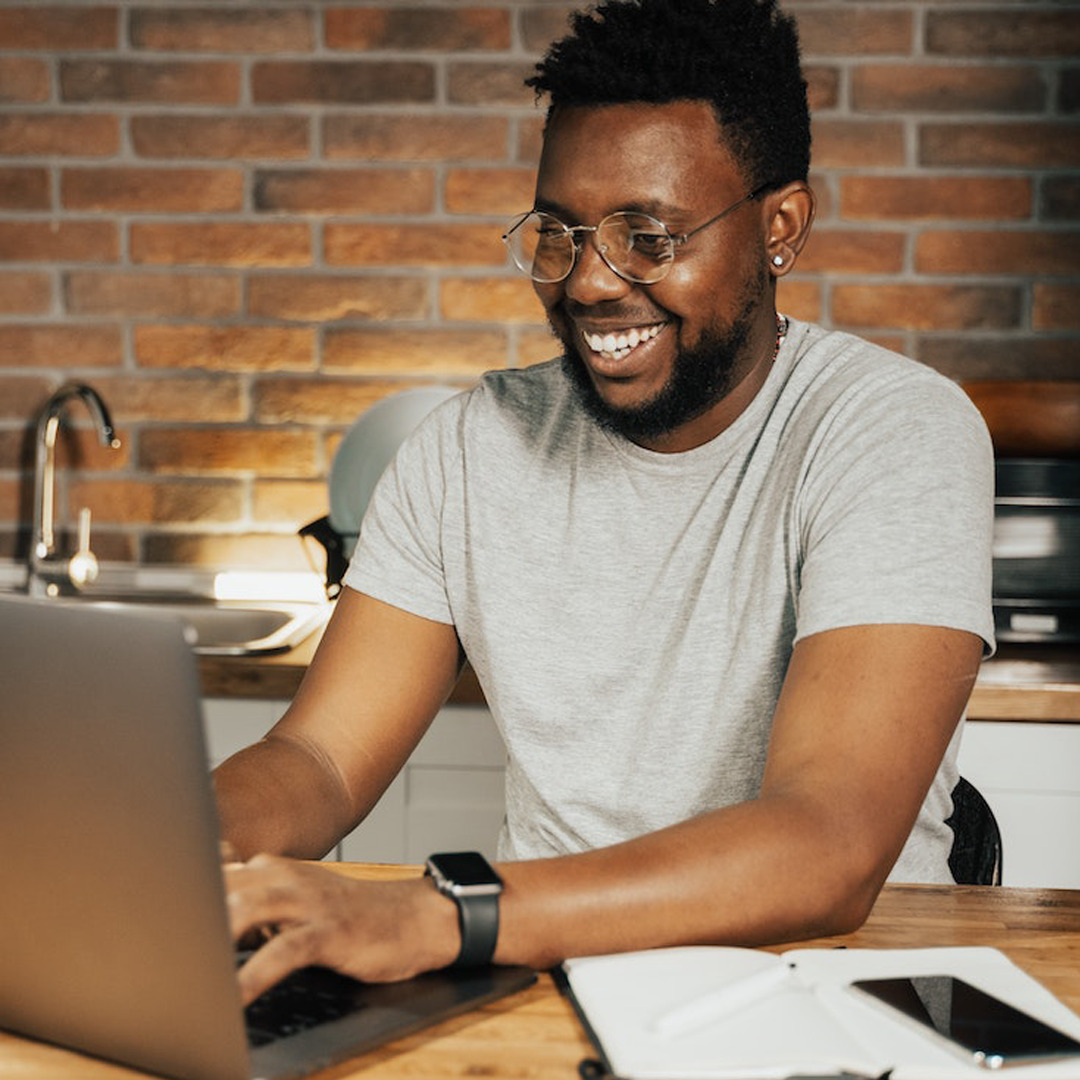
636	246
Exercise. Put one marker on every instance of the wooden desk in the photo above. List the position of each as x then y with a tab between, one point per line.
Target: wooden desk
535	1034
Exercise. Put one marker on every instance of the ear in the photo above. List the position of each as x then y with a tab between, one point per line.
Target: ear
792	213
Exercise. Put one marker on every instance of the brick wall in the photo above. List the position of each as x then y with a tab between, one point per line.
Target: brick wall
245	222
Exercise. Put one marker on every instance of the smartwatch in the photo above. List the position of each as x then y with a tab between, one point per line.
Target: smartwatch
469	880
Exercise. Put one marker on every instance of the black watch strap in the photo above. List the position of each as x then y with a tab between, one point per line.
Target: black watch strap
478	918
468	879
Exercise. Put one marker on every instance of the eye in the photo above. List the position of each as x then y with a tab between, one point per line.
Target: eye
650	242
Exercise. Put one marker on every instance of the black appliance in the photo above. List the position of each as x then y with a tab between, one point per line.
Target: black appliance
1037	550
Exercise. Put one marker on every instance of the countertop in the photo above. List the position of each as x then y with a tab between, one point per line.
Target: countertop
1021	682
535	1033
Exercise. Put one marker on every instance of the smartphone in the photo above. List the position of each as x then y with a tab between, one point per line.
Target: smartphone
982	1028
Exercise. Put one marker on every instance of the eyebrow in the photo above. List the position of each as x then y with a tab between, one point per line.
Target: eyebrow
663	212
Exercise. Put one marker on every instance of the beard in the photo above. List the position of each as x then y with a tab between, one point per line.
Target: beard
700	377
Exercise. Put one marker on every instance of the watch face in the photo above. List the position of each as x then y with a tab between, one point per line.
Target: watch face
465	868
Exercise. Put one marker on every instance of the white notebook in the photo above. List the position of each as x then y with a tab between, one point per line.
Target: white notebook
713	1013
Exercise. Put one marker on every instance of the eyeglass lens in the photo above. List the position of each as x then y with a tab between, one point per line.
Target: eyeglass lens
635	246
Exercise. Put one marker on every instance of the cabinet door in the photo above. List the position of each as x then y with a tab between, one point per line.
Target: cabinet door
1029	773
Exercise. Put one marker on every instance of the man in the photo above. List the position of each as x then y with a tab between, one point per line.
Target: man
724	576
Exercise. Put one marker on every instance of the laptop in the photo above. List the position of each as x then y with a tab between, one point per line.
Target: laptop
113	933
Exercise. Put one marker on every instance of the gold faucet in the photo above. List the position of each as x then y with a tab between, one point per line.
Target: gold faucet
47	570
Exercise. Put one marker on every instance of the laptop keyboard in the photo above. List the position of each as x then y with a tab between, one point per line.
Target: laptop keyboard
303	1000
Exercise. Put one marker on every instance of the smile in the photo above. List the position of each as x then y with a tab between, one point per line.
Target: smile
616	346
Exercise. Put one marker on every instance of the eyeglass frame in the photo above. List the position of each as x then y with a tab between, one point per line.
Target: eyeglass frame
676	239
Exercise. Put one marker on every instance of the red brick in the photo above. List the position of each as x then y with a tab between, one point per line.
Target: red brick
176	82
852	251
1017	144
24	188
24	81
155	295
544	23
322	400
222	244
293	502
414	351
56	134
413	245
1002	251
56	28
148	189
1060	198
226	347
490	191
343	191
1012	356
534	346
1056	307
488	299
800	298
173	399
145	501
78	446
860	143
1013	32
59	241
320	298
392	137
24	292
877	198
851	30
530	139
946	88
926	307
243	550
238	136
489	83
21	396
341	82
200	450
209	29
822	86
60	345
418	28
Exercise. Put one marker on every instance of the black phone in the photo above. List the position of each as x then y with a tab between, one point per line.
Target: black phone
984	1029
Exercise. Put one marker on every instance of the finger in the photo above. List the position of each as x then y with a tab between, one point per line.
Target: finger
281	956
261	895
227	852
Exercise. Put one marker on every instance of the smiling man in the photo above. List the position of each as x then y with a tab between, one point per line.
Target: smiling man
724	576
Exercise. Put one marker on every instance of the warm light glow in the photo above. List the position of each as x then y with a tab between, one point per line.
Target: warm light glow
267	585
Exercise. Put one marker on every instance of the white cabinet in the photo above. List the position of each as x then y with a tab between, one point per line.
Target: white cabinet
1029	773
448	797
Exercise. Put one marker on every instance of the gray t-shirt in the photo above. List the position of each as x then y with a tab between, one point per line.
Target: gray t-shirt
630	615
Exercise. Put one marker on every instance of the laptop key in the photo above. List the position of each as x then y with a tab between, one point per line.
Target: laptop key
303	1000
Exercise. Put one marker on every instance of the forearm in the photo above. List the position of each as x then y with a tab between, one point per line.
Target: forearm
277	796
764	872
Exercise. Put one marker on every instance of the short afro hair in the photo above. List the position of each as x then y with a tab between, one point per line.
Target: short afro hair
741	56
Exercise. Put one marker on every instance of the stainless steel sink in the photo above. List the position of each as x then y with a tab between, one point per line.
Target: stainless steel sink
219	627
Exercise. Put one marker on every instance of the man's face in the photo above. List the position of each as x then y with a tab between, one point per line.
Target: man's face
657	362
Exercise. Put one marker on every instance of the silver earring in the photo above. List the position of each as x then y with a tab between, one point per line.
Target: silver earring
778	260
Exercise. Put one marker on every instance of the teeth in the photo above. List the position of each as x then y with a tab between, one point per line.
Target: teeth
616	346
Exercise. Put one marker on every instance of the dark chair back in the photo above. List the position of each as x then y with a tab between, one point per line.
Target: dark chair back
976	852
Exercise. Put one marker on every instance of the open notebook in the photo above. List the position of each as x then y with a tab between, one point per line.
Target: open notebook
651	1013
113	933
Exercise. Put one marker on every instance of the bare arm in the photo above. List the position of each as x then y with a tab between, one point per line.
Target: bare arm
863	720
377	680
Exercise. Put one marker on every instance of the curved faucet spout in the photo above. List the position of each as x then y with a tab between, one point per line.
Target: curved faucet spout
43	537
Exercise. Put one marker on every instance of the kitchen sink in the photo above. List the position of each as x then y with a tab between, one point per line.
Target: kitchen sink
217	627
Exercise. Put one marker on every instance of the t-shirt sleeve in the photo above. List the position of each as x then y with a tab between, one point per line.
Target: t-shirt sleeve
398	557
896	512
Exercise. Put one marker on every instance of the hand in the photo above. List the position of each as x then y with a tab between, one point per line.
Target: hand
378	931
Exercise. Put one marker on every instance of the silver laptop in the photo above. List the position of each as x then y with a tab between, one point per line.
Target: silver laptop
113	934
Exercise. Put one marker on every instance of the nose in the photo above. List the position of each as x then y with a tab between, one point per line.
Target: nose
592	280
